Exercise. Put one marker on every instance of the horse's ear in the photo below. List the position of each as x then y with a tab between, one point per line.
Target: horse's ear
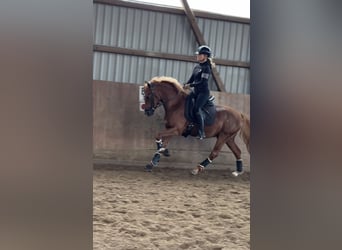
148	83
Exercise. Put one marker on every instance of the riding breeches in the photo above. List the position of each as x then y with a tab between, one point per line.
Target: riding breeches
200	100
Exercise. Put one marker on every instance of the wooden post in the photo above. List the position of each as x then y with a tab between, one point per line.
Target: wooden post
200	39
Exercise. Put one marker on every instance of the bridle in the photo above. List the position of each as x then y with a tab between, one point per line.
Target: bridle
151	96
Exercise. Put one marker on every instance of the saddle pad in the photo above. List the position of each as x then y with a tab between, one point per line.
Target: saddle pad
209	111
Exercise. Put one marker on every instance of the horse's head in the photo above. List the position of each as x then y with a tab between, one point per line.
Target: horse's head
152	101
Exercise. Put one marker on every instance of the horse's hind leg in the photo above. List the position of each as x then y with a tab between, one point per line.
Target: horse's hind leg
237	153
221	139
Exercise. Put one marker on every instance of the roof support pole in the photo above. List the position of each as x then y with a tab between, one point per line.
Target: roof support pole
200	39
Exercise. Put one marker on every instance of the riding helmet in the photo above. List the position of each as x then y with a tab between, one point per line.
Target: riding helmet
204	49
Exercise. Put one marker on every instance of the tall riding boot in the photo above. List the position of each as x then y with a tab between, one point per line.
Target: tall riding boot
200	122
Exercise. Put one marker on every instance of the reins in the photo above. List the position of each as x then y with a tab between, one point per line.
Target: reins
151	96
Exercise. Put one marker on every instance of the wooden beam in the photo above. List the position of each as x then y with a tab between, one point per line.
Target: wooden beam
200	39
178	57
192	20
218	80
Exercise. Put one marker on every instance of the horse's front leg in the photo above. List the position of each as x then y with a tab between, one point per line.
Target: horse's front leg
162	140
162	146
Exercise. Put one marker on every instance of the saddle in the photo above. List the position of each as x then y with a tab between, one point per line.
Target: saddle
209	111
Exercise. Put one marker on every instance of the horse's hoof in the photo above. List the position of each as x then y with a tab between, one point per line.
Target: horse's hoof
236	173
148	168
197	170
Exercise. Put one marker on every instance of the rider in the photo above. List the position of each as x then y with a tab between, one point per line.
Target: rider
199	80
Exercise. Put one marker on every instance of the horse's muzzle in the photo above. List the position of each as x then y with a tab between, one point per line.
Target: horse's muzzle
149	112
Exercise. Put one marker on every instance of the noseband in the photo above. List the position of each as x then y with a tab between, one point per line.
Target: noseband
151	96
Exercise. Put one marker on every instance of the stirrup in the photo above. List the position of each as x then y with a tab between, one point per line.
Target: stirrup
197	170
201	136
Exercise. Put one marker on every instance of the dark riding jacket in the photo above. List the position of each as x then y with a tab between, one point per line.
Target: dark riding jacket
200	77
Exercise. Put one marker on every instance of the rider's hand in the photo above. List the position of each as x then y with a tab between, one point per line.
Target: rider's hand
186	86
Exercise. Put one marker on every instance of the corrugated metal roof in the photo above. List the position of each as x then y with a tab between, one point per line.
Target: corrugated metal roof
141	29
228	40
165	33
135	69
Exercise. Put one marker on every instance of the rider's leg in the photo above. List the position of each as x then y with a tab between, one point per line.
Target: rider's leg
200	122
201	99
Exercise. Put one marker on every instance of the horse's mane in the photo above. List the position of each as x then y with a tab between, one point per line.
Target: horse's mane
169	80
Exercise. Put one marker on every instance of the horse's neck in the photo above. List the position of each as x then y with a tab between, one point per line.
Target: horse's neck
172	100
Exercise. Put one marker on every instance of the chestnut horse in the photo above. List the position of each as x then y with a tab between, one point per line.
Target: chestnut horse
228	122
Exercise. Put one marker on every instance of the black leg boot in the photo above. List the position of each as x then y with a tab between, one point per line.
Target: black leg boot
200	122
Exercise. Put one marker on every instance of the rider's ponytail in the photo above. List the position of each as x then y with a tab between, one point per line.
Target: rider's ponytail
212	64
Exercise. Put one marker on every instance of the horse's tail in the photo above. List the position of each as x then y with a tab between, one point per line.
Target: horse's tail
245	130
